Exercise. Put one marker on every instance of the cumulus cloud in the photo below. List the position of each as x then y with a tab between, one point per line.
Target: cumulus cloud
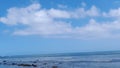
82	13
19	15
37	21
112	13
59	13
48	22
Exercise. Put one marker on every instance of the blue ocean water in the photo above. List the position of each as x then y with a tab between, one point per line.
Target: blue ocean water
6	66
67	61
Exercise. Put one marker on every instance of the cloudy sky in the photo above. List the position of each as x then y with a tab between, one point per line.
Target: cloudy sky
58	26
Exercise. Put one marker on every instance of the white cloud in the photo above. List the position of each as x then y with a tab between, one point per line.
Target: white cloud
112	13
82	13
102	29
59	13
93	11
20	15
47	22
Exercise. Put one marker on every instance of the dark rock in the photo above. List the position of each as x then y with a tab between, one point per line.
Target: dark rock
4	61
14	64
24	65
34	65
28	65
54	66
44	63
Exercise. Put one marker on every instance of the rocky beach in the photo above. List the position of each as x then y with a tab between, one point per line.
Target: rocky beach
73	61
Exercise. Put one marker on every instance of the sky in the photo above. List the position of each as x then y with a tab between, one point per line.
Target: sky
58	26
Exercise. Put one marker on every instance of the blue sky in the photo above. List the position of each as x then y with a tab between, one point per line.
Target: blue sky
58	26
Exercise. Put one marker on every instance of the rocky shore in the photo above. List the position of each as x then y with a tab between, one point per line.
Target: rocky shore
35	64
56	64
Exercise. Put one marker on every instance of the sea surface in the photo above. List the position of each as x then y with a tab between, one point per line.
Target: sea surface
67	61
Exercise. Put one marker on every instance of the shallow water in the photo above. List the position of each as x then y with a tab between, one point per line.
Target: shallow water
89	61
6	66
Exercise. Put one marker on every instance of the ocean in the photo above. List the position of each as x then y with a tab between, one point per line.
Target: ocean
73	60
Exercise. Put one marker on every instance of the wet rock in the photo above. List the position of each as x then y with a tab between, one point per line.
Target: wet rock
14	64
28	65
34	62
34	65
44	63
54	66
4	61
